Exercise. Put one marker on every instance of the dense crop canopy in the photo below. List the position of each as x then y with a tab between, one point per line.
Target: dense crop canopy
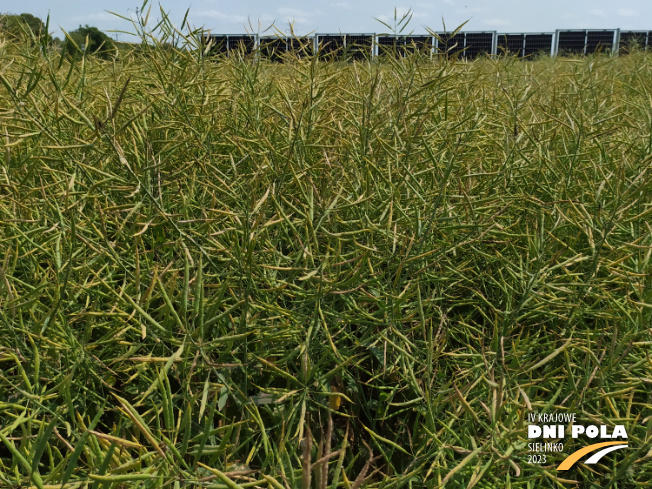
261	274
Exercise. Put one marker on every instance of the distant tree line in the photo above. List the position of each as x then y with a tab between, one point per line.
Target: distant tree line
23	24
88	39
83	40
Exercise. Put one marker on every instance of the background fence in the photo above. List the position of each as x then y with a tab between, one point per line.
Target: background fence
466	44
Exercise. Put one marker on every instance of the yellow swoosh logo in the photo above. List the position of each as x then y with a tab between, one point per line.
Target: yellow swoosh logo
575	456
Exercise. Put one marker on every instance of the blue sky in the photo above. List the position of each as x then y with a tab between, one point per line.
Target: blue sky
350	15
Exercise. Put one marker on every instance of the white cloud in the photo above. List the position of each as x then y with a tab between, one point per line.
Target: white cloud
297	15
598	12
99	16
625	12
222	17
217	21
296	12
399	13
496	22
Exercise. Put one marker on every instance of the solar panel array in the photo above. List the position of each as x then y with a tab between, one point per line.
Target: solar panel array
629	39
217	44
330	45
526	44
478	43
538	43
600	41
451	44
403	45
467	45
570	42
272	48
359	46
228	44
345	46
301	46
